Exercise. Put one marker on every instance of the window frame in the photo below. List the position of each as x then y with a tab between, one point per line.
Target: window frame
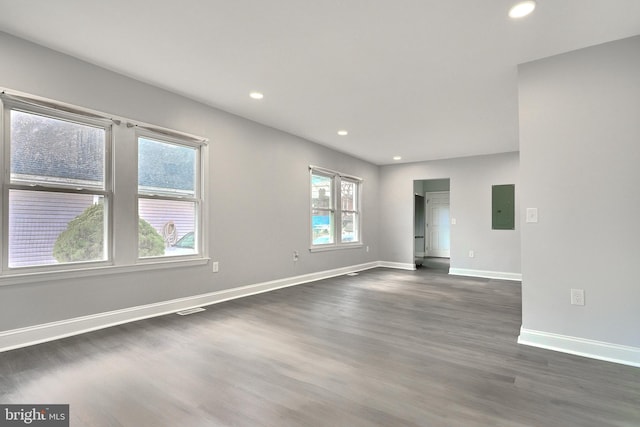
9	105
336	209
120	190
197	198
356	212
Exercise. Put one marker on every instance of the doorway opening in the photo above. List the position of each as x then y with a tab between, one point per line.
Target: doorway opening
432	229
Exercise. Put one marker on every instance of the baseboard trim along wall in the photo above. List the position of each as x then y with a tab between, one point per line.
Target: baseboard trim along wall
37	334
581	347
486	274
397	265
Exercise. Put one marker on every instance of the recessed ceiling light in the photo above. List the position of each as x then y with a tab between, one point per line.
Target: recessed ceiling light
397	157
343	132
522	9
256	95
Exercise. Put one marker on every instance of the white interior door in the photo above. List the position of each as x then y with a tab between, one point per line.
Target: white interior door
438	225
419	226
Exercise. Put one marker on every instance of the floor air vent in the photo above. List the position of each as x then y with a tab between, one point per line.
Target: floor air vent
190	311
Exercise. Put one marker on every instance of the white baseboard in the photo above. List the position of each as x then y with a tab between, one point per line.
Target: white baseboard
581	347
486	274
397	265
37	334
438	254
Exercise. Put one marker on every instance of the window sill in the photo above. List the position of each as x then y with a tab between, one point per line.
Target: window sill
325	248
13	278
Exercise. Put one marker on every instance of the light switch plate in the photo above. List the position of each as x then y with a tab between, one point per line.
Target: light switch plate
453	221
532	214
577	296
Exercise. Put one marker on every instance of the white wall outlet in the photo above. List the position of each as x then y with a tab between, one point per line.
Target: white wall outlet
296	256
577	296
472	254
367	248
532	214
215	267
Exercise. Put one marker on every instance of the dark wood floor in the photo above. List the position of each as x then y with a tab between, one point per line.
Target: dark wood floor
384	348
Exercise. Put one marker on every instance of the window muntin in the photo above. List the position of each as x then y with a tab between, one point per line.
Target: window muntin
335	209
168	197
58	192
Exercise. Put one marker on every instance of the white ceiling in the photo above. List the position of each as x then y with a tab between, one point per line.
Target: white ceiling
423	79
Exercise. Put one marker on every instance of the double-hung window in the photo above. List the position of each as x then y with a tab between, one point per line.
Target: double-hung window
72	198
350	209
169	196
335	209
57	191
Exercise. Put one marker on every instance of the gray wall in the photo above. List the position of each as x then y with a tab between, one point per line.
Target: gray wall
258	199
580	166
430	185
471	179
436	185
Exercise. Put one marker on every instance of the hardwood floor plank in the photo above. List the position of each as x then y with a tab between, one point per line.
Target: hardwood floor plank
384	348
